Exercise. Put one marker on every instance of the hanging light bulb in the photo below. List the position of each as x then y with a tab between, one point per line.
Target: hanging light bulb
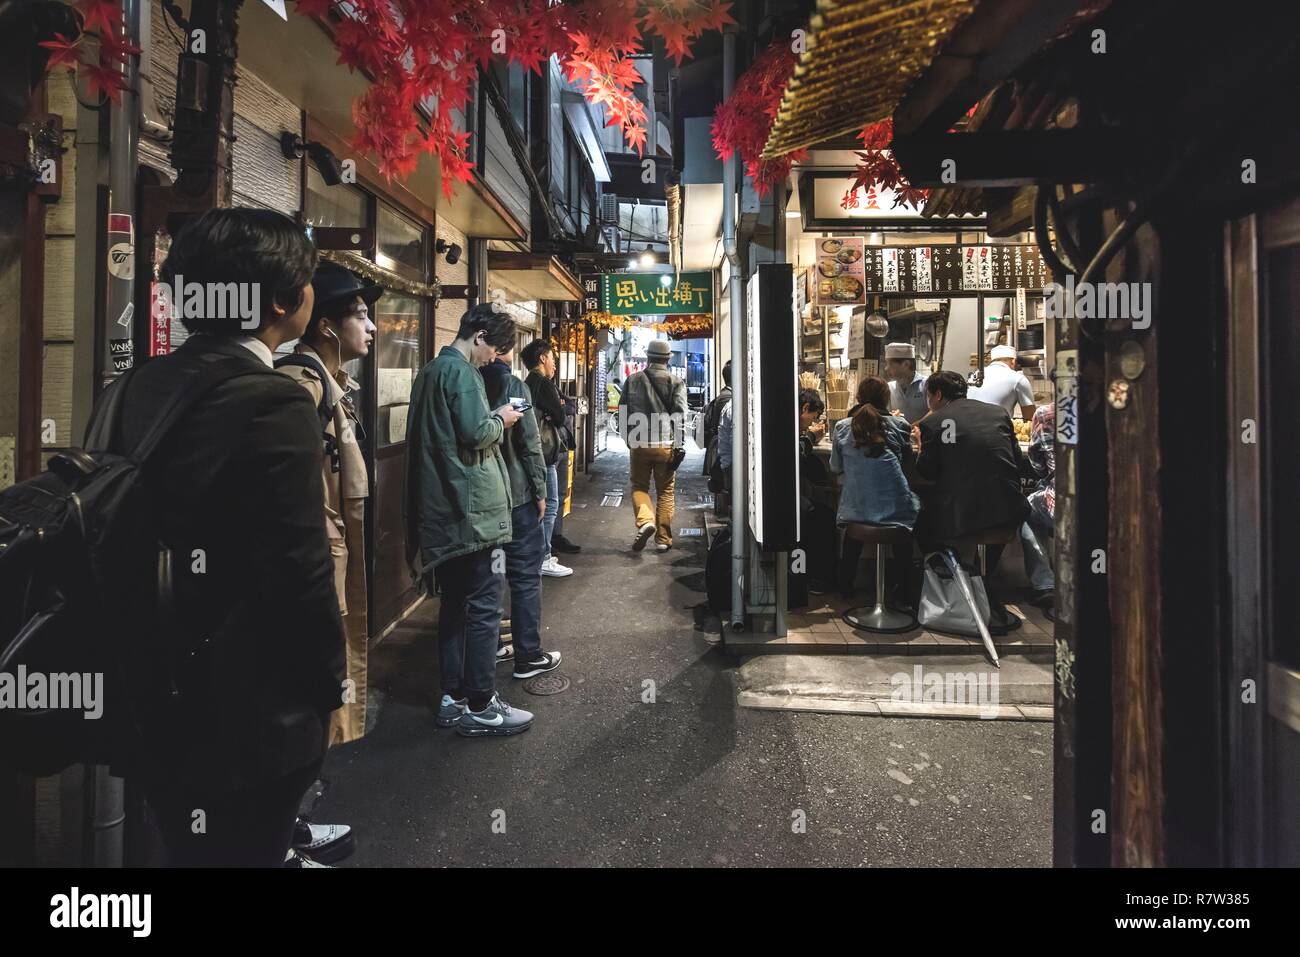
647	257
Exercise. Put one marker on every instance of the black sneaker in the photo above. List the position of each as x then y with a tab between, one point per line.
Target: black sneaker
549	661
505	653
561	544
323	843
1002	622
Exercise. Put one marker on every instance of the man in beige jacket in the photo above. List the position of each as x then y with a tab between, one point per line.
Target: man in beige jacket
341	330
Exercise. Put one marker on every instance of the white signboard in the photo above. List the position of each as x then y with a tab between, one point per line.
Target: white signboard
395	386
754	423
1067	397
858	335
922	259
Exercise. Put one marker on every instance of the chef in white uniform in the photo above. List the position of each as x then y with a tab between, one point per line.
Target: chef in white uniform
906	386
1004	386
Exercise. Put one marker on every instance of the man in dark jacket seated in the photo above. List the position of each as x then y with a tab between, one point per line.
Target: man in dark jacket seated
969	466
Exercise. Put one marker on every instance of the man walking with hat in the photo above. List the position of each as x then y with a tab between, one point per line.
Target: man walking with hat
906	386
652	420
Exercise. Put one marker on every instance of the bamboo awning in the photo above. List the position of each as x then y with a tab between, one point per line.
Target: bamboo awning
859	58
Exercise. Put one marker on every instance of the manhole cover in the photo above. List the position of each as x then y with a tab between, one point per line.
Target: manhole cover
547	684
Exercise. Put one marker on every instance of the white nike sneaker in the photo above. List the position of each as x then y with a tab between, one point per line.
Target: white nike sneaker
497	718
552	568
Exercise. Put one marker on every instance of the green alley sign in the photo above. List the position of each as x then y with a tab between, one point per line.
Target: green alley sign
646	294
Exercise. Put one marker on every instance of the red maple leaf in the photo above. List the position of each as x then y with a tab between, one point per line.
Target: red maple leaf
102	16
63	53
104	79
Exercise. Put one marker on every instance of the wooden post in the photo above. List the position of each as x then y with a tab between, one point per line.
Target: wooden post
1134	576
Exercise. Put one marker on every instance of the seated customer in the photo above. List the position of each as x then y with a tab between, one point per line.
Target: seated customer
869	449
969	464
816	502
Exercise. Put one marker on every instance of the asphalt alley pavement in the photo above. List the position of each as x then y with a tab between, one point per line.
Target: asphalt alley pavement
605	779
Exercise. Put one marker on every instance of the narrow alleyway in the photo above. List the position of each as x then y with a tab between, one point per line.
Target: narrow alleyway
605	779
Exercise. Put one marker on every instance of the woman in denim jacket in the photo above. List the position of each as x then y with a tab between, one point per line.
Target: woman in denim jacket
871	449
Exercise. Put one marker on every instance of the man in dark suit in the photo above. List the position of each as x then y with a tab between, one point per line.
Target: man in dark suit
969	464
255	635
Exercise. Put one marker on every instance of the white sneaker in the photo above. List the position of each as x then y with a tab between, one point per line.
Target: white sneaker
295	861
552	568
643	533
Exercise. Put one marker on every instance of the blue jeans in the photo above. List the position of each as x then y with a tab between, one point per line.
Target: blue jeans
1037	568
468	623
524	575
552	507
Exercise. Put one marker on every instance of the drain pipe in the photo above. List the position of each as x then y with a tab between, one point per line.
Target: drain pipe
739	362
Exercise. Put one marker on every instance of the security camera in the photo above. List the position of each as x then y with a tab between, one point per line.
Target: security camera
293	146
452	250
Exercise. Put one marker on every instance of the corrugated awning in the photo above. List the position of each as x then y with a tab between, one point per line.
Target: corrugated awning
532	276
859	59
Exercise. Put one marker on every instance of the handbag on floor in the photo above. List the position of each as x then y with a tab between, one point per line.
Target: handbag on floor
944	606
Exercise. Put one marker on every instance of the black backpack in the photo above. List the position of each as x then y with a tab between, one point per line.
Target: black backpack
85	587
324	408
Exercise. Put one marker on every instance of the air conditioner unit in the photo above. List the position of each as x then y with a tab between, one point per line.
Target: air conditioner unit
609	209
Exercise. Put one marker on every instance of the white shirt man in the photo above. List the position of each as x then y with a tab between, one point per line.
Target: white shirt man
906	385
1004	386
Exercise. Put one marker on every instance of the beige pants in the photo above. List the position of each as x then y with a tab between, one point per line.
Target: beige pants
647	463
348	723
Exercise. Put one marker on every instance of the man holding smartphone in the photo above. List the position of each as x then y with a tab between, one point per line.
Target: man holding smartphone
522	452
458	517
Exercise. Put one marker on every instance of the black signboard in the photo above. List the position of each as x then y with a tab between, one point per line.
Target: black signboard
954	270
772	391
591	293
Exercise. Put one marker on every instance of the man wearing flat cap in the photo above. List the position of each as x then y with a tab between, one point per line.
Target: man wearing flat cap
339	331
653	409
906	386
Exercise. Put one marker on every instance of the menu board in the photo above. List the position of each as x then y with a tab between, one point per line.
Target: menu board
839	274
916	270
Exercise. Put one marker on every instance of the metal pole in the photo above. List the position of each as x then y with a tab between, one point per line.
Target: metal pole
739	364
123	155
109	811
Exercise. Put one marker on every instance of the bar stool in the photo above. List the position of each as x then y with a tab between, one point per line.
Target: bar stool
997	535
882	620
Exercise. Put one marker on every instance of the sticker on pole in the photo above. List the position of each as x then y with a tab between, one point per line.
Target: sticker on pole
121	246
123	353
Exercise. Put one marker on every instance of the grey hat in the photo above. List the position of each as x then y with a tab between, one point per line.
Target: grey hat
900	350
659	349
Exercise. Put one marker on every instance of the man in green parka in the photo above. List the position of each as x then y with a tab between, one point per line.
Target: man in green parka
458	515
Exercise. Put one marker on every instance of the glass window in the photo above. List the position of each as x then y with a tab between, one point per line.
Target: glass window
398	358
340	205
517	96
401	244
